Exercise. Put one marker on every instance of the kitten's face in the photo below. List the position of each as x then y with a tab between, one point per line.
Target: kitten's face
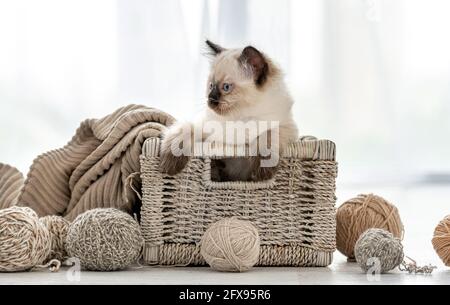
237	78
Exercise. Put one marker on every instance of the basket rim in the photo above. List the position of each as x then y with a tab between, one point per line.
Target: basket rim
306	148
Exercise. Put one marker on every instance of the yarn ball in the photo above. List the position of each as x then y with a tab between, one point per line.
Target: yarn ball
441	240
58	227
378	249
104	239
24	240
231	244
361	213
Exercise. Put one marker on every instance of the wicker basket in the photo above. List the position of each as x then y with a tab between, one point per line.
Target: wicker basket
294	212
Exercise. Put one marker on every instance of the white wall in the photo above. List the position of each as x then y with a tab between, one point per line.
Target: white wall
372	75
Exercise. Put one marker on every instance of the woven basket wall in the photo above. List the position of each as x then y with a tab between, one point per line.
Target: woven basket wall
294	212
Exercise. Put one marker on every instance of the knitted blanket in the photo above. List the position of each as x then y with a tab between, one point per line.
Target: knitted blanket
99	167
11	181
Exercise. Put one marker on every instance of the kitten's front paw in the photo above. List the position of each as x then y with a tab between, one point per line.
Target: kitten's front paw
171	164
174	137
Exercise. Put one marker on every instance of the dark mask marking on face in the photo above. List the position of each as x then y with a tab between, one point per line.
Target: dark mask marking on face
214	95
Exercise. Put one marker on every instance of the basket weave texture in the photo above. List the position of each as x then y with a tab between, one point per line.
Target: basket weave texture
294	212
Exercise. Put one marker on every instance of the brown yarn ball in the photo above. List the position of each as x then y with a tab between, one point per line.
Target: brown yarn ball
441	240
58	227
24	240
361	213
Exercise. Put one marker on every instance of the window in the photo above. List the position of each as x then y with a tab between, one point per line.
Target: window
372	75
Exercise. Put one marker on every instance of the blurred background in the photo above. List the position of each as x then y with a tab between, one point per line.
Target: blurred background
372	75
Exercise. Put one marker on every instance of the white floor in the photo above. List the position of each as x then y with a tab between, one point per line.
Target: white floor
421	209
340	272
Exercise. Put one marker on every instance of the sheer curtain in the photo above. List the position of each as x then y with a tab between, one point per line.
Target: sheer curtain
386	76
373	75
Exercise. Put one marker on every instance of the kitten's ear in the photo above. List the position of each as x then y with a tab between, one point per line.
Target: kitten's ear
214	49
254	59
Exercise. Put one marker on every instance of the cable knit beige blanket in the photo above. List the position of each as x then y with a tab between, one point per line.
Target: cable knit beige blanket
97	168
11	181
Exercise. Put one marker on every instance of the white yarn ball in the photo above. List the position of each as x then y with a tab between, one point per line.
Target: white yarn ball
24	241
231	245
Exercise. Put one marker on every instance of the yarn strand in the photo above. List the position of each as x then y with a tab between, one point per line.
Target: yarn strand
53	265
410	266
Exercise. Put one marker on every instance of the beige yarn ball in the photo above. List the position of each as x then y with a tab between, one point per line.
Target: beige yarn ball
24	240
379	250
441	240
359	214
58	227
104	239
231	245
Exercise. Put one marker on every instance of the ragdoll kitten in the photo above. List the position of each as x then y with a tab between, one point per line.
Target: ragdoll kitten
244	85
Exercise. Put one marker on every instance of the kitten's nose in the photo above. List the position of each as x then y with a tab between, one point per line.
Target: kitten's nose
214	96
213	102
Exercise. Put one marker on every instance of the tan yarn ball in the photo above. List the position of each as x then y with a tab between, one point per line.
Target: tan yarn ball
361	213
58	227
231	245
104	239
24	240
441	240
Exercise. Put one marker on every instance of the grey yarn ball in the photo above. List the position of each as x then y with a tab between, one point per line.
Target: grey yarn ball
104	240
378	249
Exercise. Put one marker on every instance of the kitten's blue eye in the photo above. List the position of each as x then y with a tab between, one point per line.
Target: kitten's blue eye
210	86
227	87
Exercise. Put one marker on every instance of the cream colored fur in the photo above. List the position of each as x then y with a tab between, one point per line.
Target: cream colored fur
245	103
